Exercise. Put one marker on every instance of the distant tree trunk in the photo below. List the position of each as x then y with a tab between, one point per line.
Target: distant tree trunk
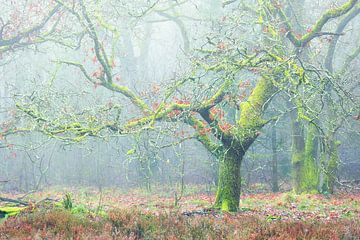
330	155
330	163
274	165
333	166
145	172
310	172
297	149
304	146
304	157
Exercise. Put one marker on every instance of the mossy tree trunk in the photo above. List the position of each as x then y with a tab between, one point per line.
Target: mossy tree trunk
330	154
333	166
310	170
274	161
305	179
330	164
297	150
236	144
304	157
229	185
301	157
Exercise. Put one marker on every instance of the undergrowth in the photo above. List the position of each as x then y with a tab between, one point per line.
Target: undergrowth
134	224
262	216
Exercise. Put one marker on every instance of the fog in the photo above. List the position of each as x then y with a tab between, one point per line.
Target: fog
147	94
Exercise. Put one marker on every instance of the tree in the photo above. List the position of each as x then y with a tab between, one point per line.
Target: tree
228	76
307	169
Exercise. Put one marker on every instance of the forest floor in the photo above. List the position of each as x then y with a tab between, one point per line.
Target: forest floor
135	214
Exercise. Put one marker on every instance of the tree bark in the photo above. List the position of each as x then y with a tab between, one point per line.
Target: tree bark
298	148
310	172
248	126
331	157
274	162
304	155
229	186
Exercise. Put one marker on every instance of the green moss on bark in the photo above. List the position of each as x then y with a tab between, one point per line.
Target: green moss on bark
248	125
250	120
310	176
228	193
297	151
332	166
306	173
252	109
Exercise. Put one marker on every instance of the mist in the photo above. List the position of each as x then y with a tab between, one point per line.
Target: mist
208	106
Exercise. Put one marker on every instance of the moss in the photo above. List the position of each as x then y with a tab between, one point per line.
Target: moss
10	211
251	110
330	161
297	162
306	174
310	177
297	157
227	83
317	27
332	13
250	120
228	193
210	145
332	166
248	125
301	111
129	94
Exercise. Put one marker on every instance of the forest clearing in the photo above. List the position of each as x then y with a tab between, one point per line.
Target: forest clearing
179	119
136	214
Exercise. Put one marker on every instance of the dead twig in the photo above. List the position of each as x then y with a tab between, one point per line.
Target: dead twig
13	201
